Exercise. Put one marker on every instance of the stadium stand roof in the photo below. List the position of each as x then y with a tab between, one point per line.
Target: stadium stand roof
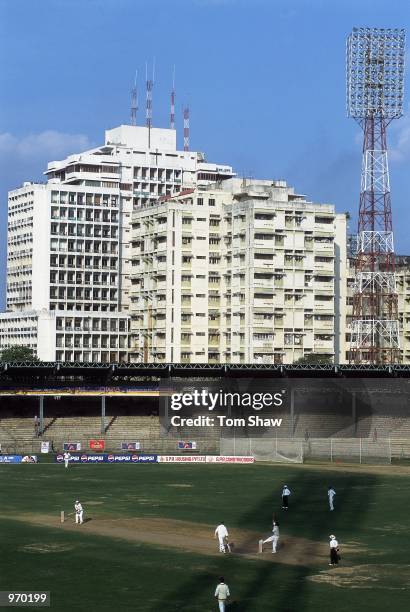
124	371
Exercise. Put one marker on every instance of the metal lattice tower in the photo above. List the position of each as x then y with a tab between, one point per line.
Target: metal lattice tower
134	101
186	128
375	83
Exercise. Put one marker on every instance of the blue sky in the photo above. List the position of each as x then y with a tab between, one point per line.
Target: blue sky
265	81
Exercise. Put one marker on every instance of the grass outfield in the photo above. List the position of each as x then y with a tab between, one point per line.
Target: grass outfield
105	572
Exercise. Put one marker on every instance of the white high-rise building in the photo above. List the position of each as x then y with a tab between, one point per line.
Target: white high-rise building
69	242
237	272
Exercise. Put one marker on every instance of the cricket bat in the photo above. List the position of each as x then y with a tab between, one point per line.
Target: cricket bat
260	546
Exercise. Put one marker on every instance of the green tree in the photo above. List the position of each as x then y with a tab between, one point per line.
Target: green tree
18	354
314	358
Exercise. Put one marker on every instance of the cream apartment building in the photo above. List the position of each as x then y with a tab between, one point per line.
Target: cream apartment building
237	272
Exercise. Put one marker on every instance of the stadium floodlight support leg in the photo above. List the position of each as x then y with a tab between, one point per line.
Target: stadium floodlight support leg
354	411
292	412
168	387
41	414
103	414
375	324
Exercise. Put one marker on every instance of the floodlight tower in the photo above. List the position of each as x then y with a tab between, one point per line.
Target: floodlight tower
375	79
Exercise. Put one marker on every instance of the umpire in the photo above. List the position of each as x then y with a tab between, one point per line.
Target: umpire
334	550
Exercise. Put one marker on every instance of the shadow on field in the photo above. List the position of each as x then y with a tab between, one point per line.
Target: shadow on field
354	492
285	586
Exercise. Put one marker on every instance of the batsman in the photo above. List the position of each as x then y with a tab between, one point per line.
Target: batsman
221	533
79	513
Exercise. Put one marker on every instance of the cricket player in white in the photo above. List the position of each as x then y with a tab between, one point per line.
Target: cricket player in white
221	532
334	550
285	497
222	593
331	493
274	538
79	513
67	458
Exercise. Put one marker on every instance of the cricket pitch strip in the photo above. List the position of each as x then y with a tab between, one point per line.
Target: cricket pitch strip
192	537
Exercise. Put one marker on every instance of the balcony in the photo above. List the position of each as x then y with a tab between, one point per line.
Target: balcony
325	248
93	176
324	228
261	265
324	345
264	284
159	266
323	287
325	266
264	224
325	325
141	194
160	343
263	244
160	324
263	344
263	324
264	304
327	307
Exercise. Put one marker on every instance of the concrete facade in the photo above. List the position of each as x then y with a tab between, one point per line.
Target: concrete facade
69	247
237	273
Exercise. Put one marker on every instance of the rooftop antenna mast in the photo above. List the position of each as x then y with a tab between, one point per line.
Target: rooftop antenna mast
172	114
375	83
149	86
134	101
186	128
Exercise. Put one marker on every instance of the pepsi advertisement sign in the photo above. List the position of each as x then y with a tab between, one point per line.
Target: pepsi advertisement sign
131	458
108	458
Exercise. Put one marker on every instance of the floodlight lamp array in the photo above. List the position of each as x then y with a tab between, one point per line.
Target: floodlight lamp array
375	59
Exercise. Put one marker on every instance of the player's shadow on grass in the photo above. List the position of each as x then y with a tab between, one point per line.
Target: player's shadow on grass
309	509
287	585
